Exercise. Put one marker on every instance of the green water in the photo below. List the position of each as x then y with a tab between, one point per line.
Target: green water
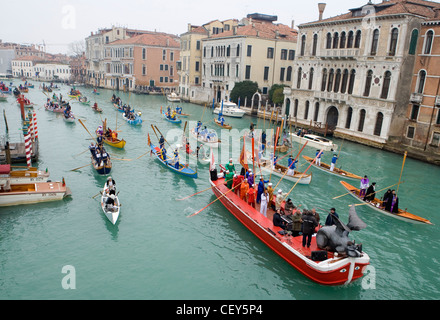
156	252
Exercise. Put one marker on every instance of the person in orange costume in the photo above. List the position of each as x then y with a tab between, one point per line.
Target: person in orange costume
244	190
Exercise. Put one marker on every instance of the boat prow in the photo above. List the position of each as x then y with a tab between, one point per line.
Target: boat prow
112	213
337	172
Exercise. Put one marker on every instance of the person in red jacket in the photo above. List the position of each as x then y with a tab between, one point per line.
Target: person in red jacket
251	196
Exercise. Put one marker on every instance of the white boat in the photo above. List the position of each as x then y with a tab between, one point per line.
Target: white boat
15	194
210	139
314	141
70	119
203	158
279	171
111	213
173	97
230	109
31	175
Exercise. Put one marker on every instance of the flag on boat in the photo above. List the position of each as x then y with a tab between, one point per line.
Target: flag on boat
243	158
212	161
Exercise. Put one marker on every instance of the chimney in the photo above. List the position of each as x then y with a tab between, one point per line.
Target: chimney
234	30
189	26
321	7
293	24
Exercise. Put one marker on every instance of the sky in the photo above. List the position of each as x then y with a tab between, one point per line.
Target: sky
57	23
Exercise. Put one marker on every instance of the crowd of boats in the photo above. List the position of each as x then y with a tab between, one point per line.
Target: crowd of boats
329	257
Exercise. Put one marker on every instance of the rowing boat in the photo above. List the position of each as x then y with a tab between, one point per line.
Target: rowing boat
177	120
332	270
337	172
120	109
112	213
183	169
377	205
56	110
224	126
213	140
280	171
70	118
22	176
120	144
137	120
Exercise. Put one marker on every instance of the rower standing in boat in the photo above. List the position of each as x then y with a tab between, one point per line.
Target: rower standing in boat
291	166
161	141
318	157
392	204
264	197
230	166
371	192
364	185
332	165
261	189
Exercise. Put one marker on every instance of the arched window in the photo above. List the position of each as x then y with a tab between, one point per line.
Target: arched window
357	40
361	120
238	50
337	80
368	83
303	45
421	81
330	80
315	44
289	74
306	111
351	82
295	108
378	126
298	81
343	39
344	81
393	43
413	42
329	41
386	85
335	40
374	42
348	120
315	117
311	78
428	42
324	79
350	39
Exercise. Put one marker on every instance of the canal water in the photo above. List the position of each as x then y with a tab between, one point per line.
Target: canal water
155	251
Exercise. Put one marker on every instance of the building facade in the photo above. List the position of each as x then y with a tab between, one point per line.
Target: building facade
353	71
421	129
257	50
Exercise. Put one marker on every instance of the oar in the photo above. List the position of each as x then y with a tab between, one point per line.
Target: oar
99	193
401	171
369	194
293	162
79	120
303	174
163	136
81	167
196	213
143	155
195	194
81	153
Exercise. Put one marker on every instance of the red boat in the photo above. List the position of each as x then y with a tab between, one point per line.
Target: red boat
334	270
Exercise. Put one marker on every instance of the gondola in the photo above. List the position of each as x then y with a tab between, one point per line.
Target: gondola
337	172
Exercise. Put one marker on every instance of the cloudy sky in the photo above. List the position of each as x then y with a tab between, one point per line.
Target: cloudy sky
60	22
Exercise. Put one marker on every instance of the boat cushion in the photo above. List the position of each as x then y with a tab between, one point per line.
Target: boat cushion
5	169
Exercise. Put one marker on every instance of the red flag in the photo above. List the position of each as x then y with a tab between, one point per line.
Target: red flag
243	158
212	164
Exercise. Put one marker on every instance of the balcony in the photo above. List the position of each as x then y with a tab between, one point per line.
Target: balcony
332	96
417	97
336	54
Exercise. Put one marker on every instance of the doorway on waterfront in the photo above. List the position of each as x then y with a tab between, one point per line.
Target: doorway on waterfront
287	111
332	118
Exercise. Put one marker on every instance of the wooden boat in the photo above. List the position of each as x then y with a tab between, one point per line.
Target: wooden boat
86	103
212	142
183	115
337	172
136	122
183	169
27	104
56	110
70	118
97	109
173	97
22	176
120	144
334	270
280	170
202	158
76	96
3	97
111	213
102	168
224	126
377	205
177	120
120	109
17	194
314	141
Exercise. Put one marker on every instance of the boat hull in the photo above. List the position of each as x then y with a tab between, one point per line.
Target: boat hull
112	216
297	177
333	271
401	215
337	172
235	113
310	143
120	144
40	192
185	171
169	120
